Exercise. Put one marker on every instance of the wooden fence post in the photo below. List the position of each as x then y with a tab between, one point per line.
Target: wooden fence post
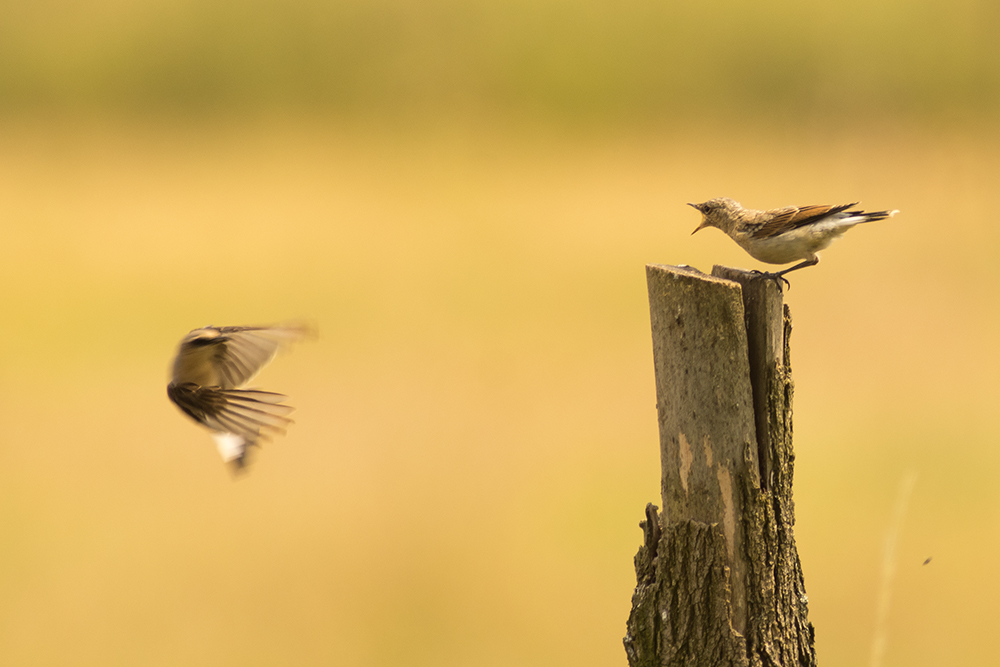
718	575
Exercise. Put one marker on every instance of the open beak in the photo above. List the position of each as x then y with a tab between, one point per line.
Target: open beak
704	222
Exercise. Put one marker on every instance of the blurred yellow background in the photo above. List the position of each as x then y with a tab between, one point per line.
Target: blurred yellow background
463	196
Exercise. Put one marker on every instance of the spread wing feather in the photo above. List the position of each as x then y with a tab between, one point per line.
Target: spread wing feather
243	351
250	414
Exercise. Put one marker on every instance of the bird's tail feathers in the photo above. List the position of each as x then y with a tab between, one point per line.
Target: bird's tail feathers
858	217
232	448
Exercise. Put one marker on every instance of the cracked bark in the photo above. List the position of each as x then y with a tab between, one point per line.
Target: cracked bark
718	576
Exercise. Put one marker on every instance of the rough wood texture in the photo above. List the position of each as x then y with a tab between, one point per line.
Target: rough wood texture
718	575
704	404
764	321
688	621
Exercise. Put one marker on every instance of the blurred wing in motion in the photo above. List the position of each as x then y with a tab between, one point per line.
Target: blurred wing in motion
229	357
212	365
238	417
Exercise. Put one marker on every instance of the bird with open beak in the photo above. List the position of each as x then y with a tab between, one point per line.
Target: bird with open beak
784	235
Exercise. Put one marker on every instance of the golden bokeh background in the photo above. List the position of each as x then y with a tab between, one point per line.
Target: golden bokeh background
462	196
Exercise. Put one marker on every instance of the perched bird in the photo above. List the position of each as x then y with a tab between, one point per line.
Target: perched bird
212	366
784	235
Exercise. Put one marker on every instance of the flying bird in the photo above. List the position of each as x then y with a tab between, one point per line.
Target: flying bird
212	367
784	235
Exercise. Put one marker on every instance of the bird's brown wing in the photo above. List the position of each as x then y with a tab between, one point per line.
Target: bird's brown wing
250	414
243	351
793	217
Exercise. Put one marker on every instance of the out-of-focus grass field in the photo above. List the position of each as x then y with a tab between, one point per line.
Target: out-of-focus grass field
476	427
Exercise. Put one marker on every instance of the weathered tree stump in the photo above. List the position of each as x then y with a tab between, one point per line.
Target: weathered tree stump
718	575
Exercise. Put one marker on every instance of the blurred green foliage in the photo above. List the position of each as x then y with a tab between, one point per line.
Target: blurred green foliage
621	61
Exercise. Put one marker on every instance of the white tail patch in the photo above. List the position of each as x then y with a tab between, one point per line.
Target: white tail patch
231	446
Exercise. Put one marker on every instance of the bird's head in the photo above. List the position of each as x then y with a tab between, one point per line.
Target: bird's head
718	212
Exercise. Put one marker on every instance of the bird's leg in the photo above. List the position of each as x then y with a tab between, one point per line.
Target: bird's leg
779	276
812	261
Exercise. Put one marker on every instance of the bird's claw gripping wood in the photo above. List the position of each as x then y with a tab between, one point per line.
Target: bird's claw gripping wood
776	277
